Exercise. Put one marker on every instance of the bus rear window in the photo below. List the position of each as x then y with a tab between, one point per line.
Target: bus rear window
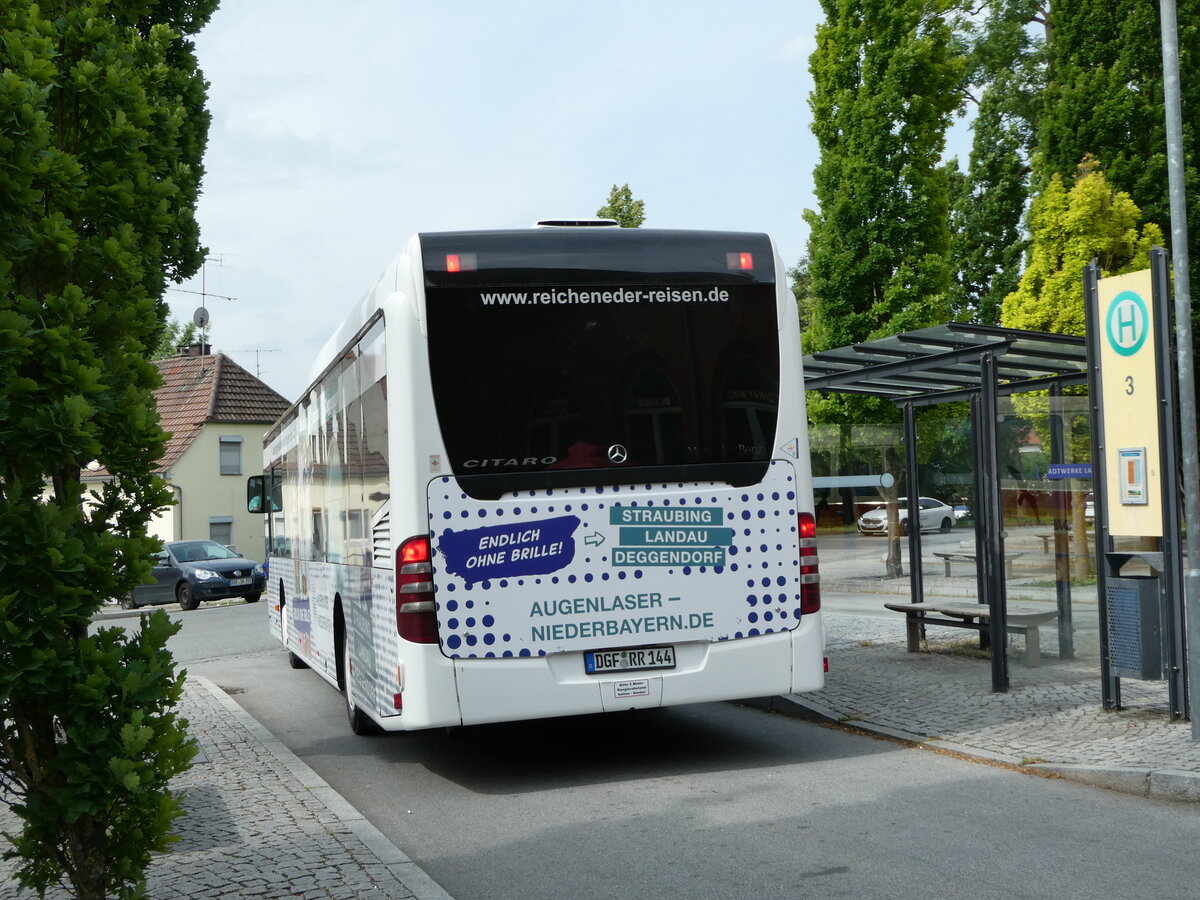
557	377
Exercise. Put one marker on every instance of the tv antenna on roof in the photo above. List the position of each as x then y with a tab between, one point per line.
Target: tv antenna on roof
201	316
256	351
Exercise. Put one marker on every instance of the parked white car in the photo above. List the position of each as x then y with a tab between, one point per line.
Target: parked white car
935	516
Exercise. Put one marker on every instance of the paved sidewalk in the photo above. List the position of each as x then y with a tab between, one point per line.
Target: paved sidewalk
261	824
1051	721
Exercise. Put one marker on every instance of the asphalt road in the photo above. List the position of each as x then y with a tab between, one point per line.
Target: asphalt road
712	800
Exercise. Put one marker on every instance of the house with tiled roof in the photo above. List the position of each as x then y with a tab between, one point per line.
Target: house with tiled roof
215	413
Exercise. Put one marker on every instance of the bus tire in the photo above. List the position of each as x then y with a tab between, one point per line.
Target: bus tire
360	722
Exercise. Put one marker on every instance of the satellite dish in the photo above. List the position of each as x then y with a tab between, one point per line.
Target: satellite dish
200	317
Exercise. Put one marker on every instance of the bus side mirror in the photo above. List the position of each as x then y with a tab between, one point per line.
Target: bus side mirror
257	496
256	493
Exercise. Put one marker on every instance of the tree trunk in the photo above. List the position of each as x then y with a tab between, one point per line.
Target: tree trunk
894	563
1083	563
87	858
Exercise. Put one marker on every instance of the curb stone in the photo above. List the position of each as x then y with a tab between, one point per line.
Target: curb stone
1174	785
397	862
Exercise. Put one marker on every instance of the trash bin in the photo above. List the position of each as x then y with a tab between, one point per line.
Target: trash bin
1135	628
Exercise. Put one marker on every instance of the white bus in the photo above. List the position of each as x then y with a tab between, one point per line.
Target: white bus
551	471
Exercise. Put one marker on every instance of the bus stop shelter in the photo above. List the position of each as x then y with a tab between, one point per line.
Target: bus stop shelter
978	364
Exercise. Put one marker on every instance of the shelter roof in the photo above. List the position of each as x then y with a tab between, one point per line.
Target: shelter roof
942	363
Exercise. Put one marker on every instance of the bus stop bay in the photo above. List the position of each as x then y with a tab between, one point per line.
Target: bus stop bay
620	565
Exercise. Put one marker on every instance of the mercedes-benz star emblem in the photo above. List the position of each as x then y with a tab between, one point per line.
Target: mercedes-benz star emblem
617	454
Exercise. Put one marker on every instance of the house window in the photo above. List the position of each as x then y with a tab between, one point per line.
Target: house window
231	455
220	529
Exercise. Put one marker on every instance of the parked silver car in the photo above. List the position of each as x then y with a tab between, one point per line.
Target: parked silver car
935	516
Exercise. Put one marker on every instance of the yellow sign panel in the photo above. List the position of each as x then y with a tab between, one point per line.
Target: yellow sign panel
1128	378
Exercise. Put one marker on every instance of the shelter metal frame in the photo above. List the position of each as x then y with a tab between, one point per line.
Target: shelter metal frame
978	363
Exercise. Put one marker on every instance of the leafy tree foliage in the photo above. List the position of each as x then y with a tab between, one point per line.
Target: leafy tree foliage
1105	99
621	206
886	81
175	334
1070	228
801	283
1105	96
887	77
987	246
102	130
1007	66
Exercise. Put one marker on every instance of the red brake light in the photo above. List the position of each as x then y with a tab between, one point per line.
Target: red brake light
741	261
416	611
810	577
460	262
414	550
808	526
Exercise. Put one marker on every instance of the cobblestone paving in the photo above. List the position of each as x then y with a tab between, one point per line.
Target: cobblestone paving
1051	714
253	829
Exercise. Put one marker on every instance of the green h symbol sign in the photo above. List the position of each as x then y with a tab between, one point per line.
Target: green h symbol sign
1128	323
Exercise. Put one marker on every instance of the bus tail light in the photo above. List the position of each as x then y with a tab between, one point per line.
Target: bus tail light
416	611
810	577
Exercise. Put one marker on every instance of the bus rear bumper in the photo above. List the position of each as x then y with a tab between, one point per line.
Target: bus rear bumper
492	690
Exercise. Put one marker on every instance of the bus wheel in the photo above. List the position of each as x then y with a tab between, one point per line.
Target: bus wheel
360	722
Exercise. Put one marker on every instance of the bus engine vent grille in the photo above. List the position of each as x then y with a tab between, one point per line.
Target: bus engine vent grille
381	542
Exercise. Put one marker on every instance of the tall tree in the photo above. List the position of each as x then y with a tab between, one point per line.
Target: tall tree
987	245
887	76
621	206
1007	75
1105	99
886	81
175	334
102	131
801	283
1071	227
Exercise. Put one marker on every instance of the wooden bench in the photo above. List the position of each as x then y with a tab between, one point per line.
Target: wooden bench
1048	541
973	559
1021	620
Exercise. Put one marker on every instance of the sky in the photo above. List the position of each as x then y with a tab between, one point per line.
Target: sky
340	130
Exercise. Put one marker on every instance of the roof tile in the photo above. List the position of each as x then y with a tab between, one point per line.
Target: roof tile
198	390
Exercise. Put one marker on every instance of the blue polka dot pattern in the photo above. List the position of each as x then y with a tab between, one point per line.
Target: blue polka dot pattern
706	562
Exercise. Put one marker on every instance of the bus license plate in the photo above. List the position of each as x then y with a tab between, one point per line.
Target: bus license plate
239	582
597	662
